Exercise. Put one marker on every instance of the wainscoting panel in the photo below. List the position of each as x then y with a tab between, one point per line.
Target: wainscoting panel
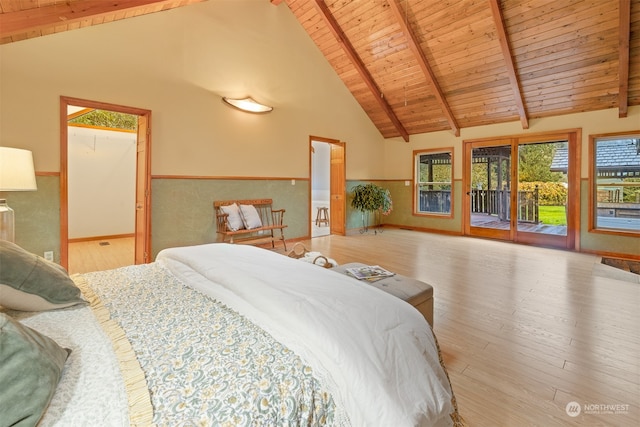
37	216
182	209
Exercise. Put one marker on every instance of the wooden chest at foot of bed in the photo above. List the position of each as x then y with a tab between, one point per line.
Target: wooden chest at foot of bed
413	291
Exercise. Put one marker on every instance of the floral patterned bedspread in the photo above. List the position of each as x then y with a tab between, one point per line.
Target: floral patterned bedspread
204	363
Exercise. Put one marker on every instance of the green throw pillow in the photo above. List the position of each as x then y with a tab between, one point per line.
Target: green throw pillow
30	283
30	367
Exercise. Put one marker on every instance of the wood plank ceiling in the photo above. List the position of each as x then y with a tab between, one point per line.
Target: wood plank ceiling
419	66
24	19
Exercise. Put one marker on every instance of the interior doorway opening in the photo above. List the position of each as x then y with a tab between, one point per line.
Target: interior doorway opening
101	171
327	187
89	180
320	188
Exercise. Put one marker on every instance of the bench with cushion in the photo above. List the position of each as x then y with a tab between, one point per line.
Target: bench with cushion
251	221
413	291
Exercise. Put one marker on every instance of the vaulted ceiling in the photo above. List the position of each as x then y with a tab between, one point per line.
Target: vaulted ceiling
25	19
419	66
426	65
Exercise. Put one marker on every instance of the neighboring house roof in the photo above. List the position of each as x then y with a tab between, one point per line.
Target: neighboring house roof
618	158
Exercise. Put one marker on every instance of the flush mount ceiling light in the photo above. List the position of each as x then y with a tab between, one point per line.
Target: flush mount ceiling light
247	104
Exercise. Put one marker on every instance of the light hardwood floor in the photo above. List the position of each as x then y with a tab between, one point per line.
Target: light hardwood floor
524	330
91	255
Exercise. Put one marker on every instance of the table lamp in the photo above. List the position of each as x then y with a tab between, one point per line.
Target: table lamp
16	174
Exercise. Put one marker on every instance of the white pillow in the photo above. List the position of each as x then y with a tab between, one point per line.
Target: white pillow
250	217
234	220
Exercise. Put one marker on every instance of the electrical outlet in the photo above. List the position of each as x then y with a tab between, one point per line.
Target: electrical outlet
48	255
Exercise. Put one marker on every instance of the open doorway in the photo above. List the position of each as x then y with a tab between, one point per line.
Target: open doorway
320	188
327	198
104	183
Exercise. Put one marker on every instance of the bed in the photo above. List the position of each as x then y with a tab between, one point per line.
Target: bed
231	335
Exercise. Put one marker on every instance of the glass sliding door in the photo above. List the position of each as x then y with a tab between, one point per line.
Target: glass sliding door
489	190
523	189
543	192
543	187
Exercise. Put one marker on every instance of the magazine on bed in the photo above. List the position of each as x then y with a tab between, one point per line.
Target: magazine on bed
369	273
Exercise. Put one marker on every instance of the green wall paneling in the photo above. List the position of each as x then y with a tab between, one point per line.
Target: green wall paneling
182	209
37	216
401	215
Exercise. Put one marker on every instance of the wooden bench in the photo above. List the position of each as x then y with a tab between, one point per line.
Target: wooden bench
270	220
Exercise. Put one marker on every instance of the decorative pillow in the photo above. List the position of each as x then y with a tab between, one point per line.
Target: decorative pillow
250	217
30	367
30	283
234	220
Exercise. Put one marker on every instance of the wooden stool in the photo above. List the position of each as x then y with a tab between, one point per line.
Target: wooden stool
322	217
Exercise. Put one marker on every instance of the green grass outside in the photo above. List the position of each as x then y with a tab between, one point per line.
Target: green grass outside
552	215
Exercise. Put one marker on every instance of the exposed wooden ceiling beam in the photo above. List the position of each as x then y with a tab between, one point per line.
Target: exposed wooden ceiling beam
424	65
362	69
623	61
508	59
39	18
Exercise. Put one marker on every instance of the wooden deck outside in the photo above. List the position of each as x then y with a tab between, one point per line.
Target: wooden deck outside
492	221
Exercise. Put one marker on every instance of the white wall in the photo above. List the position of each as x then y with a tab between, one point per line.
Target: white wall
178	64
399	155
102	174
321	172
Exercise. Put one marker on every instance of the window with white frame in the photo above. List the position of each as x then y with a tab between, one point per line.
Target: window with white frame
434	176
615	182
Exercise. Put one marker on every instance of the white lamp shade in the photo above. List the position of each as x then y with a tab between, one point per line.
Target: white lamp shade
16	170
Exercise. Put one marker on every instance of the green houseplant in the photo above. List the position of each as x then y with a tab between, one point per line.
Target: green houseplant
371	198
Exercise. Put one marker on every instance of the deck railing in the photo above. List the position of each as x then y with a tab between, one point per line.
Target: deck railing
435	201
528	206
491	202
498	202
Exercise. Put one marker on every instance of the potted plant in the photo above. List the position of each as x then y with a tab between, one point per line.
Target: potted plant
371	198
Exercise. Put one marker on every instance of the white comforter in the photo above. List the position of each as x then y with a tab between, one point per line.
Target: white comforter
375	351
